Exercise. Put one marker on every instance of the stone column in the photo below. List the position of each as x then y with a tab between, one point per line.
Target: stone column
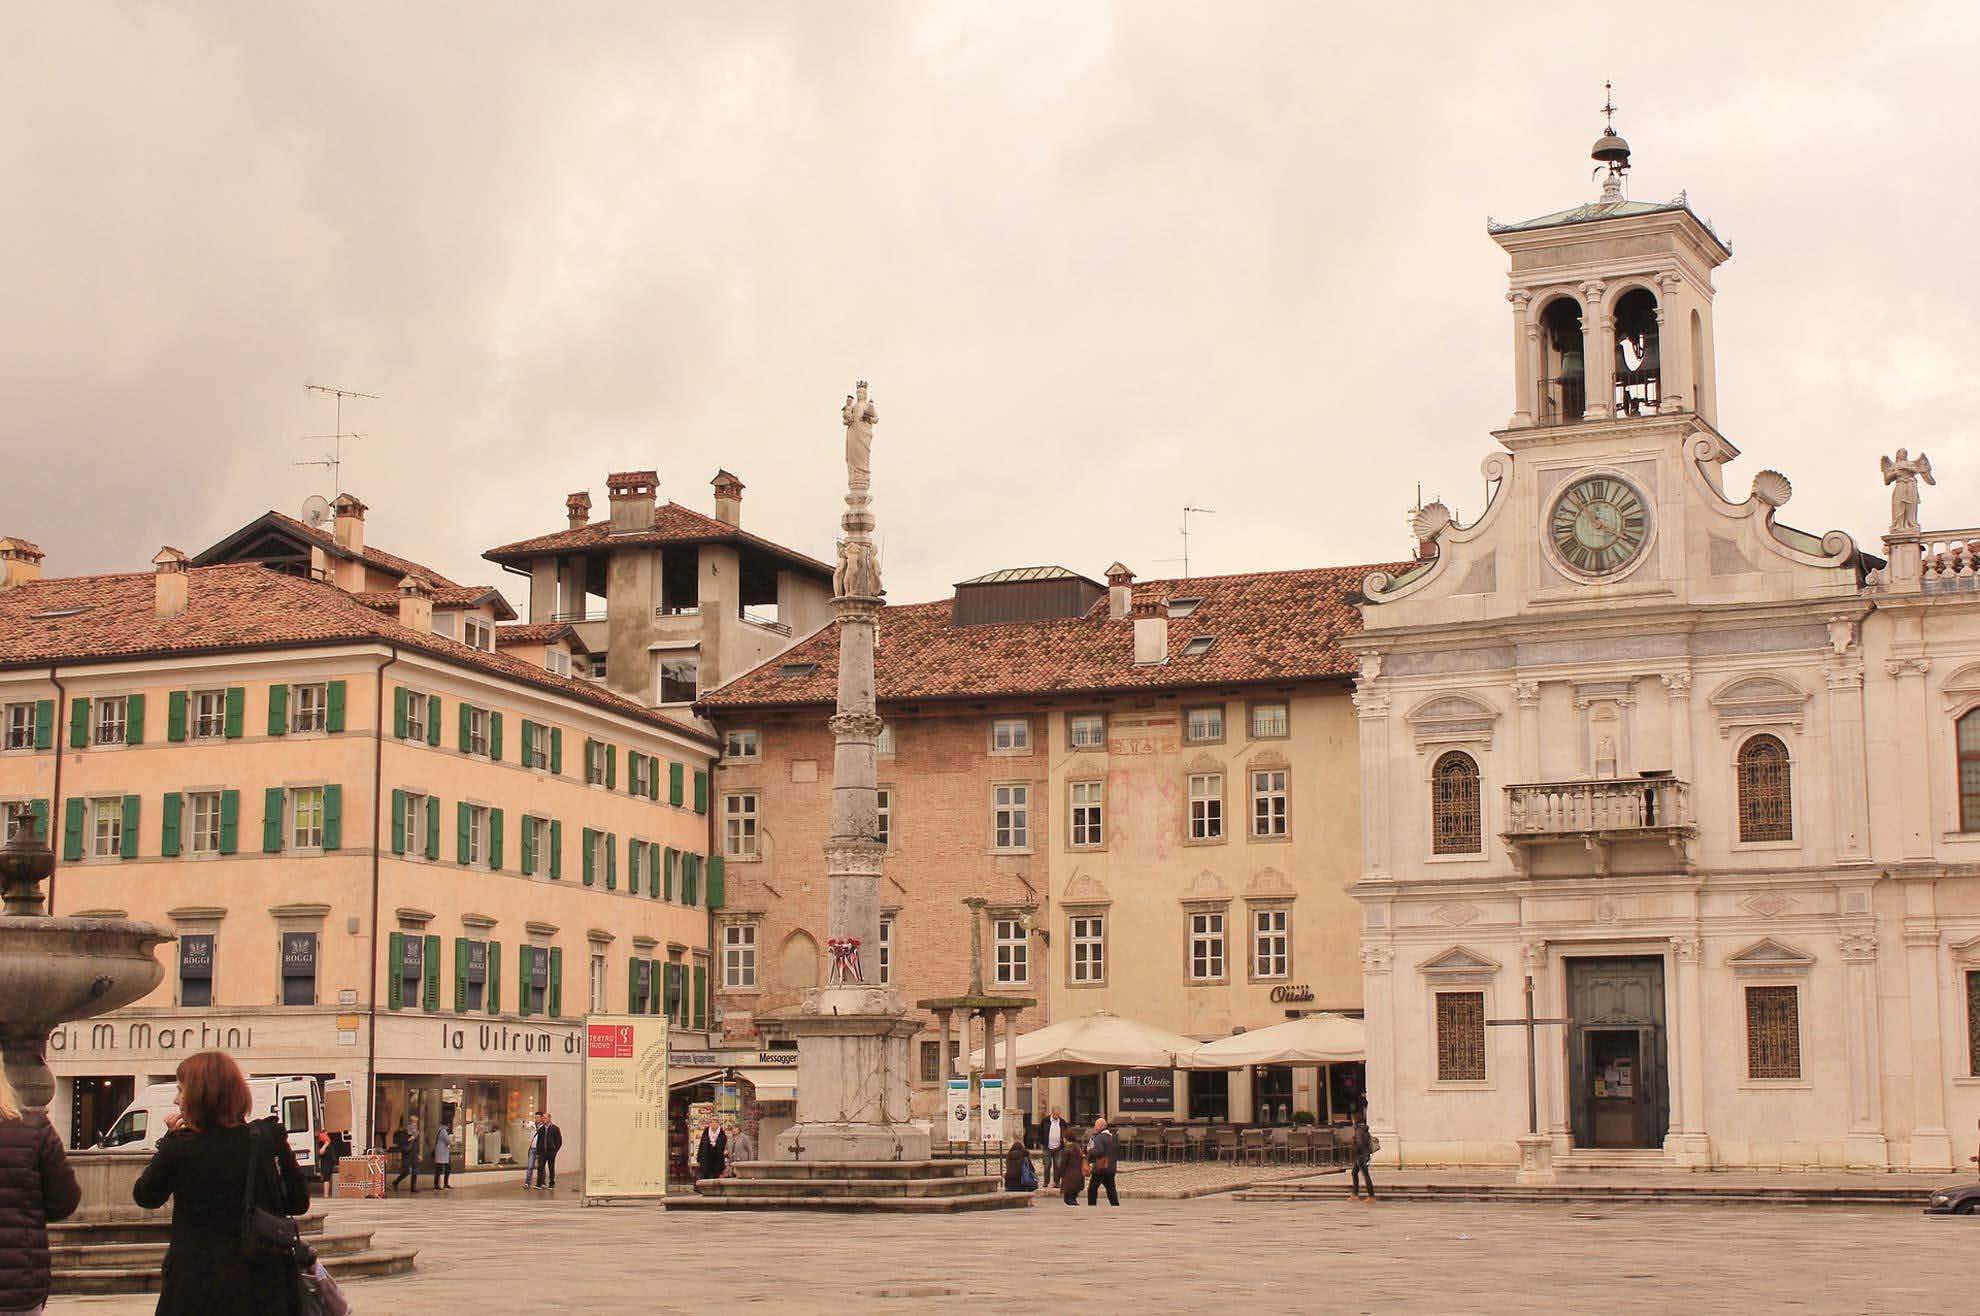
1379	1007
1674	382
1931	1142
944	1066
1526	371
1526	695
1864	1146
1847	770
1010	1068
1598	350
1690	1141
1371	708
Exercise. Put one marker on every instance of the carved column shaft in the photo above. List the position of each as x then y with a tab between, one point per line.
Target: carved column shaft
1371	706
1689	1118
1848	774
1598	353
1914	770
1526	369
1379	1001
1861	1052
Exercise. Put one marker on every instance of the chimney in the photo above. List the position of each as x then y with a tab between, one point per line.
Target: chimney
171	568
1120	592
1151	634
633	494
416	604
728	498
20	562
578	507
349	524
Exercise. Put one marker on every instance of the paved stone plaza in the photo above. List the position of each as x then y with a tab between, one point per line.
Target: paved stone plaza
496	1252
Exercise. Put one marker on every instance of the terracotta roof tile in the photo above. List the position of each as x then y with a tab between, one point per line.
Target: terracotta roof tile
80	619
537	632
1270	626
445	597
376	557
672	524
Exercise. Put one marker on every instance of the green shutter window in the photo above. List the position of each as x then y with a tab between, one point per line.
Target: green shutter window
494	992
529	743
632	772
44	723
134	720
690	878
634	850
460	975
429	963
79	724
271	820
556	981
717	881
461	832
130	846
467	738
653	870
278	709
175	716
433	720
528	840
653	779
590	864
398	822
632	984
168	825
72	829
557	750
432	827
668	861
611	767
674	779
611	861
556	849
671	990
230	821
38	813
524	958
333	707
701	996
400	722
333	817
236	710
395	958
495	737
700	791
495	838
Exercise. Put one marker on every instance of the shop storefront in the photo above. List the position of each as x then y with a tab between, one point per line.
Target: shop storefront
754	1091
489	1117
484	1080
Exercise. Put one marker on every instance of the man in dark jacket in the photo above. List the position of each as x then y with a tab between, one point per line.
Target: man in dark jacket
407	1151
1360	1150
37	1188
1103	1153
549	1141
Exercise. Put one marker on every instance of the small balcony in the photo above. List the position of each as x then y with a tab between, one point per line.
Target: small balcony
1598	816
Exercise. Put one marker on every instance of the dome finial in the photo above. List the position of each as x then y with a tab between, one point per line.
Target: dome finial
1610	149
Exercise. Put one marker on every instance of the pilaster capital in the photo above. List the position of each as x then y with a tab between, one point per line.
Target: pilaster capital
1687	950
1370	704
1526	693
1677	684
1533	958
1915	665
1591	290
1845	676
1377	958
1860	946
1921	932
1521	298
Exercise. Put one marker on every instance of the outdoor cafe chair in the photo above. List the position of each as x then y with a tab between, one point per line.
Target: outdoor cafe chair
1278	1145
1227	1145
1130	1138
1299	1146
1252	1144
1199	1141
1175	1144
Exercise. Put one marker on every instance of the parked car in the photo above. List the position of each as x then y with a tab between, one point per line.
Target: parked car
295	1099
1963	1200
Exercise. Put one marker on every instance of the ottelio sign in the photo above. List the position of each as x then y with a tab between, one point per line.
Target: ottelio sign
1291	994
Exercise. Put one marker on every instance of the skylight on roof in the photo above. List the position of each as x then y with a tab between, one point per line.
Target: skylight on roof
797	669
52	613
1183	607
1197	646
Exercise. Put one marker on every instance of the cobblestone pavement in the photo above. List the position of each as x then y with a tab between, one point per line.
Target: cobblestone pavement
489	1253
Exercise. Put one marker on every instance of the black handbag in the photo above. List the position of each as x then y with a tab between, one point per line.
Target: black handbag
269	1236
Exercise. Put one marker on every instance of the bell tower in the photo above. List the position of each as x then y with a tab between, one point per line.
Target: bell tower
1612	304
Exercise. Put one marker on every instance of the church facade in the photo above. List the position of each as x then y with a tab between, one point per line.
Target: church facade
1709	784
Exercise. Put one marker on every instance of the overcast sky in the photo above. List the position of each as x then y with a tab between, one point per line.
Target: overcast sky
1098	261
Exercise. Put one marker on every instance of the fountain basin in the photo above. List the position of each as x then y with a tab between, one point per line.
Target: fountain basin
55	970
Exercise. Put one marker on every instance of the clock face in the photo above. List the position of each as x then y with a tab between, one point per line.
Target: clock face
1599	525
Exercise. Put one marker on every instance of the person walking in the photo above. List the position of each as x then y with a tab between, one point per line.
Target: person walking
1069	1178
742	1149
549	1141
711	1151
37	1188
407	1151
1360	1148
443	1158
529	1153
328	1152
1052	1137
1103	1153
203	1167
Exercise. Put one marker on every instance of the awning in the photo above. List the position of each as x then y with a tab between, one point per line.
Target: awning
1315	1039
1094	1044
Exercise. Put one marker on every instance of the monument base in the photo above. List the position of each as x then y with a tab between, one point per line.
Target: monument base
1536	1159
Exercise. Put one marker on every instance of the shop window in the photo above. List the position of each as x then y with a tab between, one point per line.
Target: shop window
1460	1037
196	969
1766	807
1210	1094
1773	1032
299	968
1271	1094
1456	826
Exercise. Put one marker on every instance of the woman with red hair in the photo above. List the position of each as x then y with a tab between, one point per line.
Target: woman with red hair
203	1165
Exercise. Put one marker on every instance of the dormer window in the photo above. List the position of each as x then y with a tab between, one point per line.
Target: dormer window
797	669
1198	645
1179	608
478	634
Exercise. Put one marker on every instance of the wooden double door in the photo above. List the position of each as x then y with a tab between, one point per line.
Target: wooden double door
1618	1073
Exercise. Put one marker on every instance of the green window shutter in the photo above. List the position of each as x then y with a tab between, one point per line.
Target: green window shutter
461	832
585	768
556	981
134	720
495	838
690	875
395	957
230	821
271	820
433	720
44	724
333	817
611	861
168	825
495	737
236	710
130	846
333	708
611	767
175	716
556	849
717	881
38	812
653	870
701	996
674	778
632	983
278	709
467	740
494	992
653	779
700	791
529	742
557	750
79	724
460	975
632	771
400	722
528	840
432	827
523	965
635	850
590	865
72	829
429	963
398	822
668	860
671	990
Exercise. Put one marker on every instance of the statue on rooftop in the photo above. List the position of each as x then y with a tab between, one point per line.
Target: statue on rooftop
860	415
1903	473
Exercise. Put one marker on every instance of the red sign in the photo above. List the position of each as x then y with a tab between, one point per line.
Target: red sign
611	1041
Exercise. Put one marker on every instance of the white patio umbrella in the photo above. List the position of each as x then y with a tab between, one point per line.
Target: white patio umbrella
1093	1044
1314	1039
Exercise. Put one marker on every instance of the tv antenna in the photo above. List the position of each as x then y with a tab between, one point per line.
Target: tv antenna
1200	511
333	461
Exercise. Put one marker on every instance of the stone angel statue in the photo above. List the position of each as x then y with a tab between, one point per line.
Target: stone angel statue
860	415
1902	473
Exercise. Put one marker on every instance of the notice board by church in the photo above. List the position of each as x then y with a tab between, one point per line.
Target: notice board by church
625	1106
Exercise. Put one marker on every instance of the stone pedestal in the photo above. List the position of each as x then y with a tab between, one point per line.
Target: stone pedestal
1689	1151
1536	1159
853	1093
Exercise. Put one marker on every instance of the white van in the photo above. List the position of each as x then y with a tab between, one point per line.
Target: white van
295	1099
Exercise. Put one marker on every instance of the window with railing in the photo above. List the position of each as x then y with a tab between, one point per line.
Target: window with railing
1773	1032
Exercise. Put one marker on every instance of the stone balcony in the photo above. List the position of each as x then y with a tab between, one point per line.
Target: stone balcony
1598	817
1929	562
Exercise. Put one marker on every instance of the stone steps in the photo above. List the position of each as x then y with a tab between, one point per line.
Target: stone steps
872	1170
898	1205
150	1227
1572	1194
145	1279
125	1256
948	1186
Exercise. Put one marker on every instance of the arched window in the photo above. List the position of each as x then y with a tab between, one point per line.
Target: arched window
1455	823
1766	806
1969	772
1563	367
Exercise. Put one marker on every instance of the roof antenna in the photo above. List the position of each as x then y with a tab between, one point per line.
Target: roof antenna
1610	150
1201	511
334	459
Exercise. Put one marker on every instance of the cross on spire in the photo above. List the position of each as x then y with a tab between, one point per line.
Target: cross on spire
1608	107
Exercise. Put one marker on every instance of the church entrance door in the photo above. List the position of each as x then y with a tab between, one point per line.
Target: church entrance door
1619	1093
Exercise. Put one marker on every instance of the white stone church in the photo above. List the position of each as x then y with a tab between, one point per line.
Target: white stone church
1712	782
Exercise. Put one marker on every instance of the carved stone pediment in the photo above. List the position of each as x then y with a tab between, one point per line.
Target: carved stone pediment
1270	884
1452	719
1768	958
1202	762
1751	701
1459	964
1962	687
1966	952
1086	889
1268	760
1206	888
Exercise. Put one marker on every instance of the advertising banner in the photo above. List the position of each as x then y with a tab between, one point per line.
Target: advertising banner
958	1109
625	1106
992	1090
1148	1090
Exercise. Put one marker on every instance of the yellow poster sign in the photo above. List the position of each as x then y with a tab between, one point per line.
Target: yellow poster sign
625	1106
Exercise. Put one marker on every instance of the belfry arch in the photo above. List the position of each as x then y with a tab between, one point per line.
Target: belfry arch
1563	362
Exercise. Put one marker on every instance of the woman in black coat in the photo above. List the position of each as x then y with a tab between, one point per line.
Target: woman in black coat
1015	1161
37	1187
711	1154
202	1166
1072	1170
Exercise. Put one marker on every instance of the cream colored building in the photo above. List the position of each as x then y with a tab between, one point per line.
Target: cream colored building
1694	774
390	856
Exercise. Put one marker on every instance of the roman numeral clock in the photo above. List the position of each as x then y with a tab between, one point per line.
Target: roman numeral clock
1599	526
